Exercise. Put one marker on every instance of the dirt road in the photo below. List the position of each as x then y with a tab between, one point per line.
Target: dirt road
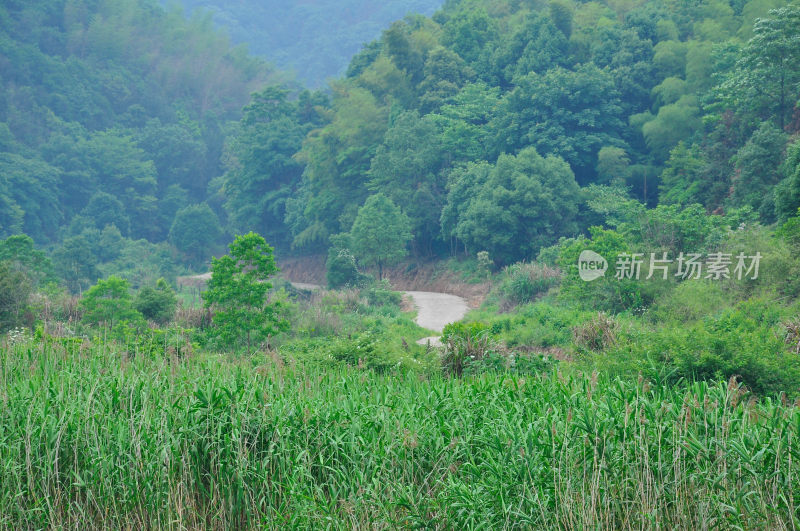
434	310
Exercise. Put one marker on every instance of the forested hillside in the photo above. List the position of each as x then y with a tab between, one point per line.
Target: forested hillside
312	39
497	127
113	117
491	124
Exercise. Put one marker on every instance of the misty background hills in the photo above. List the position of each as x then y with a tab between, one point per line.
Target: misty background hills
314	39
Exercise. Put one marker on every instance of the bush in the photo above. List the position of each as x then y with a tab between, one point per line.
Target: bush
381	294
523	282
15	295
690	301
465	343
341	269
510	362
792	334
156	304
744	342
596	334
537	326
606	294
109	302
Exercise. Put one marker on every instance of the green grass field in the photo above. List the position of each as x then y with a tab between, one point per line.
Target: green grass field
92	436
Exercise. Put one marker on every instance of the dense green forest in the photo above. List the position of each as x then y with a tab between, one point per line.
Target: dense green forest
314	40
497	127
113	119
492	124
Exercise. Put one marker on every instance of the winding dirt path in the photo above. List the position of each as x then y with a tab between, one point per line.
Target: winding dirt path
434	310
438	309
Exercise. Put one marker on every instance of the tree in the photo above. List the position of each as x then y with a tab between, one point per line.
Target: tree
173	199
30	187
380	232
467	32
766	78
104	209
340	268
109	302
681	180
156	303
463	185
526	203
564	113
612	164
758	170
178	152
194	231
238	293
110	162
406	168
110	244
263	174
76	262
445	74
402	51
561	13
22	255
787	193
464	123
669	57
337	159
538	45
674	122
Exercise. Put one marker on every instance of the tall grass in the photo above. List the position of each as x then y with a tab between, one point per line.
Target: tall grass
92	436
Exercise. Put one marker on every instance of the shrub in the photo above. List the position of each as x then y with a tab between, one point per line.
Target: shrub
502	361
690	301
792	334
15	295
607	293
381	294
322	315
109	302
523	282
596	334
485	263
156	304
744	342
341	269
465	343
367	350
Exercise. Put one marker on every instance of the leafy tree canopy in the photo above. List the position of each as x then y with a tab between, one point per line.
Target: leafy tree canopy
238	293
380	232
109	302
